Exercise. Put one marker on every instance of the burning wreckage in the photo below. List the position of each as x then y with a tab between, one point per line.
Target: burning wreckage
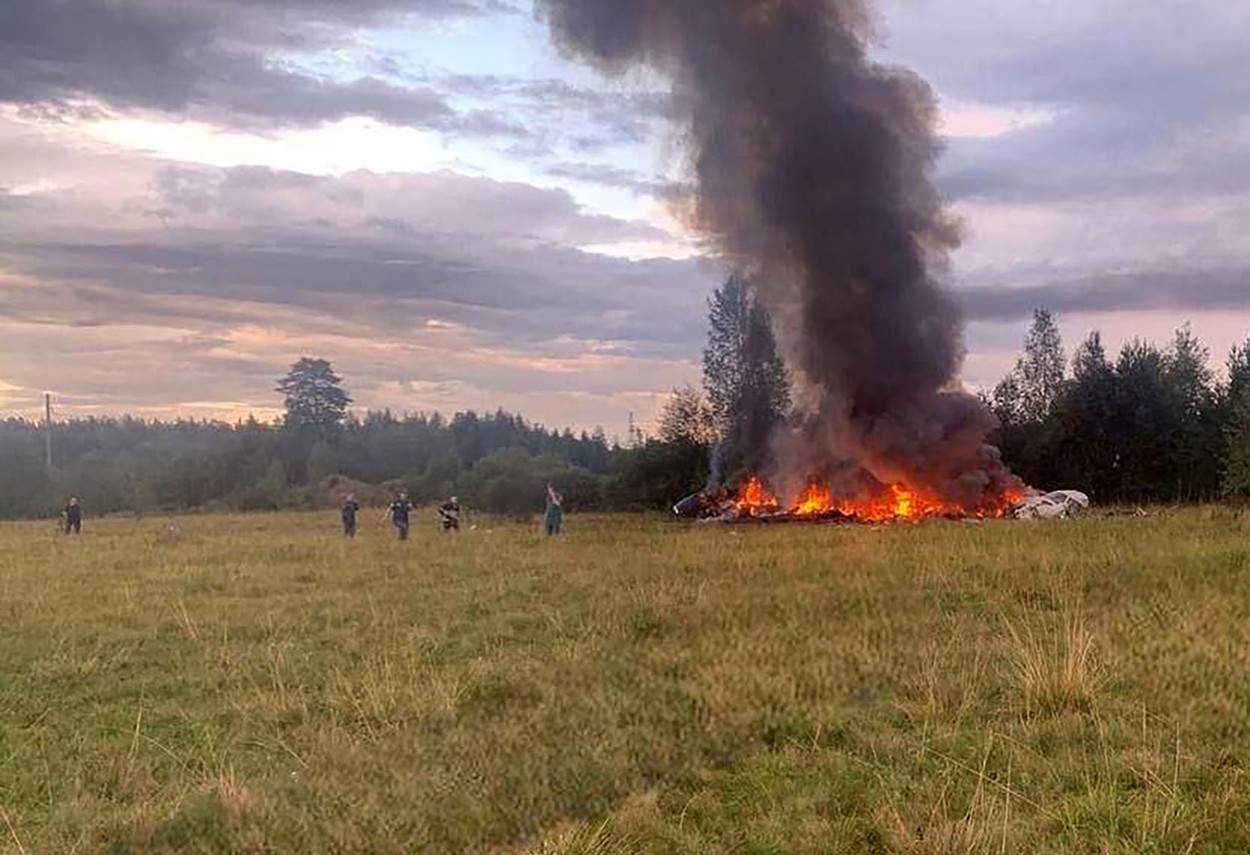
895	503
817	503
810	174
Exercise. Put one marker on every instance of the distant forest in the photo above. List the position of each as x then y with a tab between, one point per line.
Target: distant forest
131	464
1151	425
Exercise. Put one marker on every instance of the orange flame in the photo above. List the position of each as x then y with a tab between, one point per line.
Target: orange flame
815	500
897	502
755	500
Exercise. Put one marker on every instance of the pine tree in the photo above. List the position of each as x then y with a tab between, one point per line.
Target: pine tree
746	380
313	397
1026	398
1188	372
1238	364
1086	450
1236	476
723	362
1195	449
1039	373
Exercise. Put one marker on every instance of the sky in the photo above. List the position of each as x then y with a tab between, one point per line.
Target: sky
195	193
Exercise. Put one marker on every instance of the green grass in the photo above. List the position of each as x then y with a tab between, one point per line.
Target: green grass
254	683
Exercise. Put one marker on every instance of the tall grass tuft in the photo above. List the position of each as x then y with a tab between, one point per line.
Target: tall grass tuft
186	623
1056	674
980	829
585	840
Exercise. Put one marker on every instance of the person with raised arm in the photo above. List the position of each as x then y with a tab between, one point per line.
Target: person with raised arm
553	519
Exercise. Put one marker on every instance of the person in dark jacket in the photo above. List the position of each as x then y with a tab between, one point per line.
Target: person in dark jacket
399	512
72	515
449	514
348	513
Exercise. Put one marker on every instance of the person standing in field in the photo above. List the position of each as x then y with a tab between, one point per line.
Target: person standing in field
553	519
72	514
348	513
399	512
449	513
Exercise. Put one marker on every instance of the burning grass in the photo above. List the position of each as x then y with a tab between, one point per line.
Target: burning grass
637	686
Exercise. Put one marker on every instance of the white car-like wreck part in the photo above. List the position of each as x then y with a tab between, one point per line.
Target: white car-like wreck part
1058	504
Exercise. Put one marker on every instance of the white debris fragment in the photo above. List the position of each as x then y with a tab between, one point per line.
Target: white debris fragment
1058	504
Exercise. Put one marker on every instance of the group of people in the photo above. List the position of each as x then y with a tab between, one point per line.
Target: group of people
399	512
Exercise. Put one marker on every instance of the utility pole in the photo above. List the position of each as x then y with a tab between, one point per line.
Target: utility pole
47	428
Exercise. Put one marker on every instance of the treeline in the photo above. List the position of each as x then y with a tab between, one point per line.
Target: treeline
1151	424
497	460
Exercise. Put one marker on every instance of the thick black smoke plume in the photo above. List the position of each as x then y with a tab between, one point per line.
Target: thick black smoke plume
812	174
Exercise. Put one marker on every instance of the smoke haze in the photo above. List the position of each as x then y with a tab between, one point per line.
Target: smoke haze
812	168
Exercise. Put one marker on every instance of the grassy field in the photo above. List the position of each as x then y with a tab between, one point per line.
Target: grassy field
255	683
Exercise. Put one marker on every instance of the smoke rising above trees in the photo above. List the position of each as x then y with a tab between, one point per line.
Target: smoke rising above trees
812	170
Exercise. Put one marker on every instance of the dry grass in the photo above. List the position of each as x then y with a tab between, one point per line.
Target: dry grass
981	828
583	840
255	683
1056	674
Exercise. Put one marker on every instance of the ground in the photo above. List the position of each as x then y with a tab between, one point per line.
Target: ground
256	683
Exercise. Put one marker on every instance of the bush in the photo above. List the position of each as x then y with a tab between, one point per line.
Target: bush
657	474
514	482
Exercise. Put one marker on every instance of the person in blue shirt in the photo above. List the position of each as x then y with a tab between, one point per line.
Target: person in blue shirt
399	512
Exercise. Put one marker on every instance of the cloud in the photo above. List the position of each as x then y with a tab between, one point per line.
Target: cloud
429	243
164	284
1143	101
558	113
1090	141
1183	290
607	175
218	61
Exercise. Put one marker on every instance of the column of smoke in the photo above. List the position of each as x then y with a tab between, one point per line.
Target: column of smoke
812	176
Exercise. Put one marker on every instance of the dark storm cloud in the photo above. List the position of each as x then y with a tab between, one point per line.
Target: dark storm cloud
214	60
1196	290
1147	99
